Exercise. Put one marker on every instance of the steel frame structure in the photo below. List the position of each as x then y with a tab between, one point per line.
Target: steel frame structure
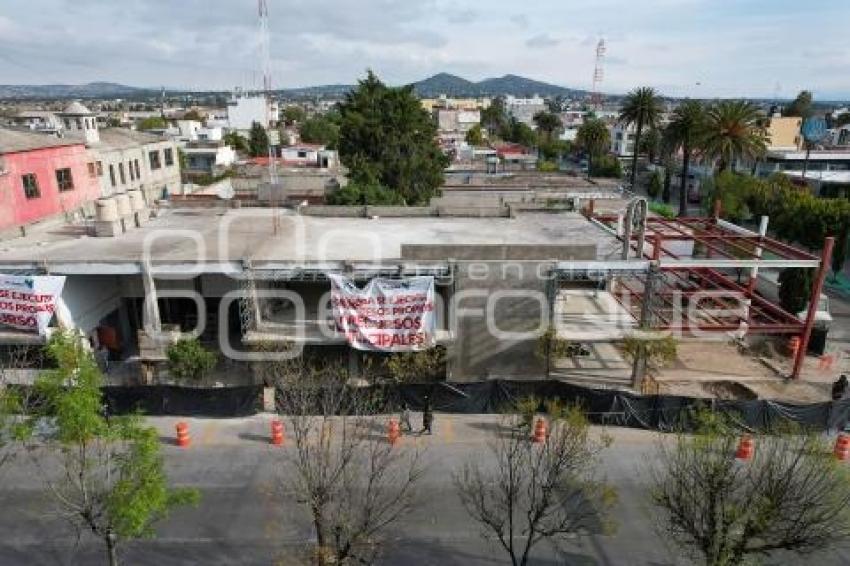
691	293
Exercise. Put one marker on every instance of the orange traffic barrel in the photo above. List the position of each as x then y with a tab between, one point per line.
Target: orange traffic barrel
393	431
746	448
842	447
183	439
539	431
277	432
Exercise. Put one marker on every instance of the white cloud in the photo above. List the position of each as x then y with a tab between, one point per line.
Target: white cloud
730	47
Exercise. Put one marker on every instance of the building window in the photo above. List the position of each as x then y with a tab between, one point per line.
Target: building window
132	172
121	173
112	174
302	155
64	180
169	156
138	172
30	185
92	169
153	156
100	168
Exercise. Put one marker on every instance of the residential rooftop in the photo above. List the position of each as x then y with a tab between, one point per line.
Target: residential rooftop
232	236
15	141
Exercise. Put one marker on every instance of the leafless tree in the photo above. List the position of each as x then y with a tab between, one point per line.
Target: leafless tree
531	492
792	495
13	401
353	482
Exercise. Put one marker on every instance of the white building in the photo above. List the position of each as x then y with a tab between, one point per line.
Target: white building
41	121
245	109
524	109
208	157
622	139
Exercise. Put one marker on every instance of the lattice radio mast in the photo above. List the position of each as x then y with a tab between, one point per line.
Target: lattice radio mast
265	55
598	74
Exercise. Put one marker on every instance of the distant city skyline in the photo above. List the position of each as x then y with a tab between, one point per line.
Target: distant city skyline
701	48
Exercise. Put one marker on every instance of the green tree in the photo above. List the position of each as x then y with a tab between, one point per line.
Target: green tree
152	123
236	141
494	117
293	114
606	167
258	141
642	107
656	183
792	496
358	194
518	132
795	288
801	106
734	130
188	359
475	136
193	114
321	129
651	144
594	139
548	123
113	482
685	133
387	138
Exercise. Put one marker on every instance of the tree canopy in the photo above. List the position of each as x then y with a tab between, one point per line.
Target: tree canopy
801	106
152	123
734	130
386	138
684	132
323	129
475	136
258	141
642	107
594	139
548	123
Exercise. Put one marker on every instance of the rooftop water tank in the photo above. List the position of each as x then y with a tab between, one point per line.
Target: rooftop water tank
137	201
106	210
123	202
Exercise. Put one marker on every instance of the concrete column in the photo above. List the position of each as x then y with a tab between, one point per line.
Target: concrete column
151	322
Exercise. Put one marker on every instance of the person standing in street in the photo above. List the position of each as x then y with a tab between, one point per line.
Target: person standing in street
405	419
427	417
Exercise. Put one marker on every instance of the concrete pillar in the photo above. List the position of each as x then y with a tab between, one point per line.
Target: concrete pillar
152	322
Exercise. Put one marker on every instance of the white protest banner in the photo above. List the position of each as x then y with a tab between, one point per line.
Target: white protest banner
28	302
387	315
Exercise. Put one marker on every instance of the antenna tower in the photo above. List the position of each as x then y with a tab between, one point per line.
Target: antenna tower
265	56
598	74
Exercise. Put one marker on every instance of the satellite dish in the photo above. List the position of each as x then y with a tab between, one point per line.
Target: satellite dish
814	129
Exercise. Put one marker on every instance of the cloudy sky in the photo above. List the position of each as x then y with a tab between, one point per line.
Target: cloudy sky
683	47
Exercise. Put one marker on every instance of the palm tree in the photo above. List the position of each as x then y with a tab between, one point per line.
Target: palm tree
651	144
593	137
685	133
642	108
734	130
547	123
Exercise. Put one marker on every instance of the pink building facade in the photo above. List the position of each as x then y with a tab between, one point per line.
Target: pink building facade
37	183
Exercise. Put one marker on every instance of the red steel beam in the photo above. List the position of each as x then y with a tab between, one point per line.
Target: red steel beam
826	256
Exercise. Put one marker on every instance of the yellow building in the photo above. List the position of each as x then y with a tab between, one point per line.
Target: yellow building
471	104
784	133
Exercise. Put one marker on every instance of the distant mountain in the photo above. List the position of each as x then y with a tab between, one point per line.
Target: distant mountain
441	83
453	85
445	83
89	90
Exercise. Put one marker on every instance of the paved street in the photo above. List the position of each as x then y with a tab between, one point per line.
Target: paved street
247	516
